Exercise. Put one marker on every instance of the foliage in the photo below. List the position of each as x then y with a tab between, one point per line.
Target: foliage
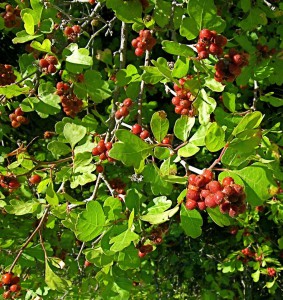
106	109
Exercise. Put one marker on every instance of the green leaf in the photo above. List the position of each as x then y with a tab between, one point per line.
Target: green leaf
78	57
91	222
198	138
183	127
217	217
58	148
131	219
13	90
47	25
128	258
161	217
134	199
205	105
82	162
126	11
188	150
151	75
161	152
191	222
51	196
44	47
112	208
159	125
177	49
256	275
255	18
214	85
23	37
189	28
249	121
28	23
245	5
229	101
162	11
181	67
130	149
274	101
259	183
160	205
162	66
82	179
123	240
53	281
19	207
215	138
74	133
125	76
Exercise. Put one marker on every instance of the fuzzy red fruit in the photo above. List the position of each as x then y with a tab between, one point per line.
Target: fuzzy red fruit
214	186
99	168
101	148
201	205
51	69
135	43
12	117
192	178
235	69
124	111
136	129
178	109
233	213
43	63
118	114
95	151
238	59
91	2
68	30
204	194
35	179
144	134
108	145
227	181
15	288
224	207
139	52
205	34
7	278
128	102
191	204
200	47
103	156
76	29
228	190
176	101
219	196
185	103
208	175
192	194
176	87
200	180
238	189
142	254
15	124
7	295
51	59
14	184
210	201
220	40
184	112
87	264
15	280
271	272
166	141
203	55
18	112
214	49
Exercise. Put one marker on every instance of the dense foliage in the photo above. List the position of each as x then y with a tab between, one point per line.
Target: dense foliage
141	149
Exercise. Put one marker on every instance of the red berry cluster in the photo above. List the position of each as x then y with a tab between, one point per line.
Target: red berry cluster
230	66
156	236
11	285
210	43
271	272
17	118
204	192
102	149
118	185
7	75
183	99
71	104
123	111
47	64
145	41
264	50
137	130
9	182
73	32
11	16
144	250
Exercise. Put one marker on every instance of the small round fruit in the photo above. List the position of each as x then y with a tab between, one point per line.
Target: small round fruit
203	55
124	111
95	151
128	102
15	288
201	205
14	184
176	101
87	264
144	134
12	117
227	181
18	112
15	124
7	278
214	186
205	34
135	43
7	295
142	254
51	69
178	109
99	168
193	195
68	30
101	148
43	63
103	156
219	196
136	129
51	59
166	141
204	194
76	29
210	201
185	103
200	180
118	114
192	178
139	52
35	179
108	145
208	175
191	204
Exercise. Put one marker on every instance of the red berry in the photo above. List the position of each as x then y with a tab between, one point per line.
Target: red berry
12	117
95	151
233	212
14	184
227	181
128	102
103	156
15	288
178	109
228	190
219	196
238	59
205	34
214	49
99	168
18	112
220	40
91	2
15	124
51	59
166	141
124	111
7	295
7	278
201	205
210	201
51	69
185	103
191	204
76	29
192	178
204	193
136	129
176	87
200	180
35	179
176	101
87	263
118	114
224	207
235	69
43	63
108	145
68	30
144	134
193	195
101	148
203	55
135	43
184	112
139	52
200	47
214	186
141	45
238	189
15	280
208	175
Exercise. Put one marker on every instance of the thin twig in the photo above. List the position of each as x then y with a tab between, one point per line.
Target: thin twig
255	99
217	161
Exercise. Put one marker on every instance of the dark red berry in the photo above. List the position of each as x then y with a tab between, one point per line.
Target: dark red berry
128	102
191	204
139	52
227	181
7	278
99	168
136	129
144	134
35	179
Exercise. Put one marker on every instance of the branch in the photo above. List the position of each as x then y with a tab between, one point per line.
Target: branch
146	64
255	99
30	238
217	161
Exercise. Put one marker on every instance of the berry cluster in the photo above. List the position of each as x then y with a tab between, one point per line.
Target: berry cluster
71	104
230	66
271	272
145	41
210	43
183	99
137	130
11	16
11	285
118	185
73	32
9	182
123	111
17	118
102	149
47	64
144	250
156	236
204	192
7	75
265	51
